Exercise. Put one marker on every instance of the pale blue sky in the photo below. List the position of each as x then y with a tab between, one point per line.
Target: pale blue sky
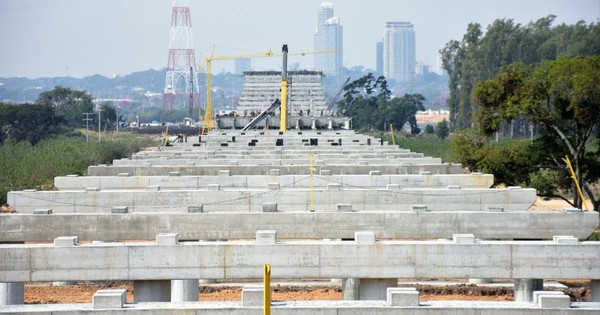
45	37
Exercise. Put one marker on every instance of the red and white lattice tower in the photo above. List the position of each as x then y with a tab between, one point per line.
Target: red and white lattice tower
181	86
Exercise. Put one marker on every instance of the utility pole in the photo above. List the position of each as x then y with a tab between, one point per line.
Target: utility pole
99	128
87	120
118	120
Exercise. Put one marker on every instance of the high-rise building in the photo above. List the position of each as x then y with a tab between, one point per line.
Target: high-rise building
328	36
242	65
379	58
399	51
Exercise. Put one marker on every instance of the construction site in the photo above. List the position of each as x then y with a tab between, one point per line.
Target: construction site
285	194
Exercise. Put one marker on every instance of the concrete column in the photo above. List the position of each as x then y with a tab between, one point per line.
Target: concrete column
12	293
152	291
595	286
523	289
184	290
349	289
375	289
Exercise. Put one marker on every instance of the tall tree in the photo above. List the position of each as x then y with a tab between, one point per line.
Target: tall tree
68	104
27	122
563	96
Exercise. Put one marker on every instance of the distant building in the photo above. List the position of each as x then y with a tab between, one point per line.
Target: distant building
328	36
242	65
379	58
423	69
399	51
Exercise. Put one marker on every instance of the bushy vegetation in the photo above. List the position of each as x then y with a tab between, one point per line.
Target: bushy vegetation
428	144
27	166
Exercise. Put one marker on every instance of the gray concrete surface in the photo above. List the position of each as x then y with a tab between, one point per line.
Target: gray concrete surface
300	259
99	201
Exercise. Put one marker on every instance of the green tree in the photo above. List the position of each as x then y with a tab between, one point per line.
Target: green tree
69	105
563	96
442	129
27	122
429	129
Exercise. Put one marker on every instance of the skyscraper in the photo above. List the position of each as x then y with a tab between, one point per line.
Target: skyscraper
242	65
399	51
379	58
328	36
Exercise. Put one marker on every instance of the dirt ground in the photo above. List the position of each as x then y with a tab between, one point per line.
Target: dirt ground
432	118
45	293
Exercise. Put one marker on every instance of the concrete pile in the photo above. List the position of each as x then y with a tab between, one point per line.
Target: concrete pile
313	204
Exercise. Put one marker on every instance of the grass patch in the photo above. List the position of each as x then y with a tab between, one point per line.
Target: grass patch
430	145
26	166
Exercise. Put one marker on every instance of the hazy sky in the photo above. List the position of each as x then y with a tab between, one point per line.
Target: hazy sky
84	37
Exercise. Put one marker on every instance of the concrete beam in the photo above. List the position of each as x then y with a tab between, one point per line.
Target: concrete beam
316	308
300	259
315	225
293	200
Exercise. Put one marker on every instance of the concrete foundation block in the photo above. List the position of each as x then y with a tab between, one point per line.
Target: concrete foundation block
274	172
66	241
123	174
195	208
364	237
325	172
595	287
537	294
119	209
334	186
30	190
12	293
402	297
109	299
269	207
393	187
273	186
463	238
190	163
425	172
152	291
213	187
452	187
524	288
174	174
276	162
252	296
266	237
185	290
572	210
153	188
42	211
418	208
344	207
91	189
362	163
563	239
224	173
167	239
554	301
374	173
72	175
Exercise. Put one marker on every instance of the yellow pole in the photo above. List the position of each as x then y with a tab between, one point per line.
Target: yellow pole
393	138
576	182
312	194
208	113
283	122
267	289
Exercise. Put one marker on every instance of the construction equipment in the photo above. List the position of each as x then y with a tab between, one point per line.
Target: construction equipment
254	123
284	84
208	123
337	95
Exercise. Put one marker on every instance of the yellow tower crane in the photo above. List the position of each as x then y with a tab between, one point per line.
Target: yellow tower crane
208	122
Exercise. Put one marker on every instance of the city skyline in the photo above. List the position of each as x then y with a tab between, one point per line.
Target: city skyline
399	57
84	37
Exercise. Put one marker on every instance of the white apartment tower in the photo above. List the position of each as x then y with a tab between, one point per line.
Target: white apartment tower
328	36
399	51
